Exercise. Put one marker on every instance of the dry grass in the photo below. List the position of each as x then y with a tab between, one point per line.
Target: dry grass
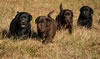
82	44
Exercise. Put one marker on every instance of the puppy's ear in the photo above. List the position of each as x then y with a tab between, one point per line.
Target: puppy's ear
91	11
48	21
18	12
61	8
30	17
37	19
18	15
81	9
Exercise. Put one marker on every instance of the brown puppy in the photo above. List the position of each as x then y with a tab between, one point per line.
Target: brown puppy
46	27
65	19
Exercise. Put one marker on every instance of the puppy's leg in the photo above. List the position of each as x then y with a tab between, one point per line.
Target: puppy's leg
9	35
89	25
58	23
15	37
70	29
30	34
47	40
79	22
69	25
59	27
4	34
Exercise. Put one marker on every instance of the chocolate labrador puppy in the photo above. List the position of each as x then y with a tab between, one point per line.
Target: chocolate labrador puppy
46	27
65	19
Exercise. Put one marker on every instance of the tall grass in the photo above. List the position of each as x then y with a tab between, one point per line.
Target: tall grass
82	44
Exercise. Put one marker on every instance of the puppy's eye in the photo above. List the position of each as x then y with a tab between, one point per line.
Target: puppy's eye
23	17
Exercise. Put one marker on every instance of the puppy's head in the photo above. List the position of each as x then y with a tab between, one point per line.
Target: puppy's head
24	19
42	23
86	11
65	13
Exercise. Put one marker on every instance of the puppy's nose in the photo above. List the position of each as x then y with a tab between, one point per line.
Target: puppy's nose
23	21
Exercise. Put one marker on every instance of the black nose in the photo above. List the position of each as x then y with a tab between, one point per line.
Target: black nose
23	21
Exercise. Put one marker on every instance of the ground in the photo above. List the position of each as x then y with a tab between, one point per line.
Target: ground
82	44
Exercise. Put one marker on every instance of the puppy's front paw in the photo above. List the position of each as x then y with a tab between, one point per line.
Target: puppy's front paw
44	42
47	41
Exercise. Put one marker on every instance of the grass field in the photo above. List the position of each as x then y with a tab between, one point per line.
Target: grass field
82	44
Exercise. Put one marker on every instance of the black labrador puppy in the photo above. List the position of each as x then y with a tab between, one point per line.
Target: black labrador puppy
65	19
46	28
85	17
20	26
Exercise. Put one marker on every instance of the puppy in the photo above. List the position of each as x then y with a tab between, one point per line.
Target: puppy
85	17
46	28
65	19
20	26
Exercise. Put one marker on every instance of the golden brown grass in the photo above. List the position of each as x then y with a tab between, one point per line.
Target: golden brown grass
82	44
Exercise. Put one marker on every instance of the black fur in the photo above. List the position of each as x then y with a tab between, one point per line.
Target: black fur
85	17
20	26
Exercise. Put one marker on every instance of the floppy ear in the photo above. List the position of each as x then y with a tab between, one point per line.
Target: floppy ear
37	19
81	9
30	17
61	7
18	15
48	21
91	11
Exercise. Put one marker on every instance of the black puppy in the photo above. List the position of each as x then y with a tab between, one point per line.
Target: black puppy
65	19
20	26
46	28
85	17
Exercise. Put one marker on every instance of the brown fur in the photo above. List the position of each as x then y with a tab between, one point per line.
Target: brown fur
46	28
65	19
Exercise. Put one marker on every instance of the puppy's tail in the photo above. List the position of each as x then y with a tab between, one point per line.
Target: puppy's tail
61	8
49	15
